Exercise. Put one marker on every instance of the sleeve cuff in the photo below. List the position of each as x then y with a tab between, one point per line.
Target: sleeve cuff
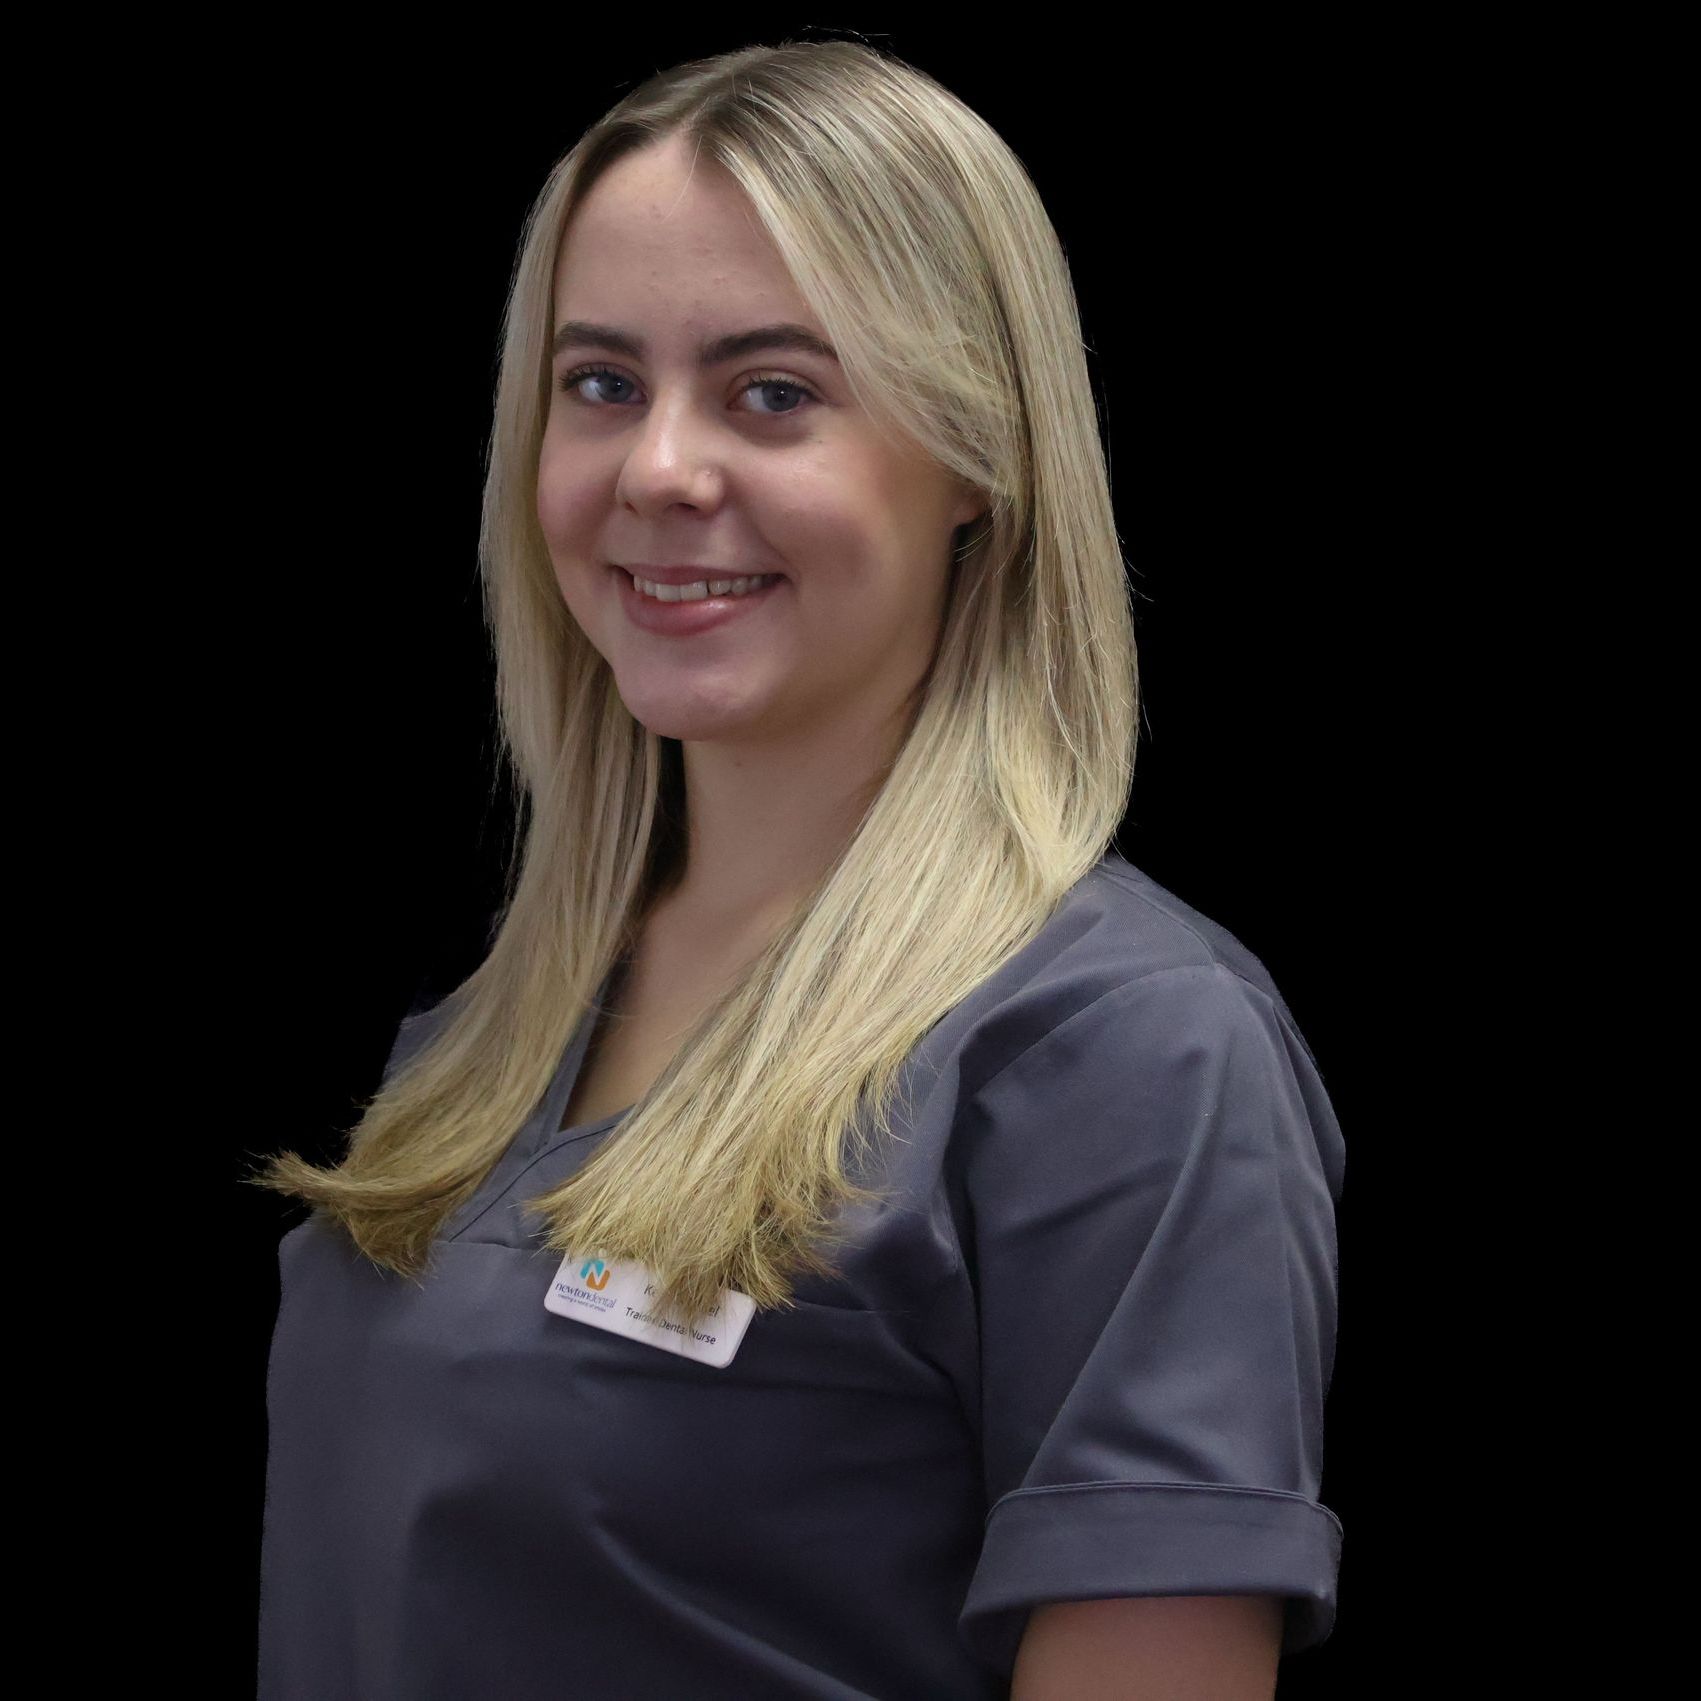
1098	1541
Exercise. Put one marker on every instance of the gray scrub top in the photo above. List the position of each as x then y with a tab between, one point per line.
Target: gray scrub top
1083	1352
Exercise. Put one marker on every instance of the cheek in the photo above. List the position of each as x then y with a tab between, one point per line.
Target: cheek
552	498
563	509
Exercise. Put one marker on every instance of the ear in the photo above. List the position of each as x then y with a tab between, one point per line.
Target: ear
971	505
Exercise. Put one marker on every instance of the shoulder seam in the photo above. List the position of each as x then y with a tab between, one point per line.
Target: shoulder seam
1145	897
1134	890
1284	1015
1213	967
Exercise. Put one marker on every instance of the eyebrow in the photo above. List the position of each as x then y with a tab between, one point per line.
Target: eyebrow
794	339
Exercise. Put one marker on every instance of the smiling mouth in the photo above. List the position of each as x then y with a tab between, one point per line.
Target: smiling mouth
700	590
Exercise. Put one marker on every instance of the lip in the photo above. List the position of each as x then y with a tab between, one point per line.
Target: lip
687	619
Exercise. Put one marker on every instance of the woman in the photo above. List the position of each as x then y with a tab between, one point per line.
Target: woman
855	1235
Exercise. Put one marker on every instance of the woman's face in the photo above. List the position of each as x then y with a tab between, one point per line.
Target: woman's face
662	460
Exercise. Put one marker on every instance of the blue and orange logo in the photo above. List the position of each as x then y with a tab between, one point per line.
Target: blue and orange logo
598	1280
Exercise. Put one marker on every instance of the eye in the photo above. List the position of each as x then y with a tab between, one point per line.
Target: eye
570	382
779	381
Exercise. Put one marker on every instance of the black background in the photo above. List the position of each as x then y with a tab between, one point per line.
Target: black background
330	228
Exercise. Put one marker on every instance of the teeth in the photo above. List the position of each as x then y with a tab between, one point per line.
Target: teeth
701	588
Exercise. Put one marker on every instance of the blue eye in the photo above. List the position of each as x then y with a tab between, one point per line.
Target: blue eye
573	379
767	381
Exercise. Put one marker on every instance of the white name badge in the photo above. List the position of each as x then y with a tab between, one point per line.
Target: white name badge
618	1295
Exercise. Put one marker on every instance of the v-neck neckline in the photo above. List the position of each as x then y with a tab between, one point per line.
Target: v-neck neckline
567	1075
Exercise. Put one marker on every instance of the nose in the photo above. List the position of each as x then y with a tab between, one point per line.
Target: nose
672	458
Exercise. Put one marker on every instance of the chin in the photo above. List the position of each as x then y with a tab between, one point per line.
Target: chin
667	715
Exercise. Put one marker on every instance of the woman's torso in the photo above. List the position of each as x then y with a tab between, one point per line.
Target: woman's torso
1114	1156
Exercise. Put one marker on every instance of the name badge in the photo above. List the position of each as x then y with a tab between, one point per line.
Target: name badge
618	1295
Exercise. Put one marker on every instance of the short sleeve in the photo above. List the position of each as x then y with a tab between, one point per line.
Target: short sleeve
1152	1190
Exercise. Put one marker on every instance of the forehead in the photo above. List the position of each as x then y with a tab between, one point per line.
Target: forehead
668	232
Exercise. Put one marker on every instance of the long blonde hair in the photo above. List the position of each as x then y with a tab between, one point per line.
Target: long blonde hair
917	237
